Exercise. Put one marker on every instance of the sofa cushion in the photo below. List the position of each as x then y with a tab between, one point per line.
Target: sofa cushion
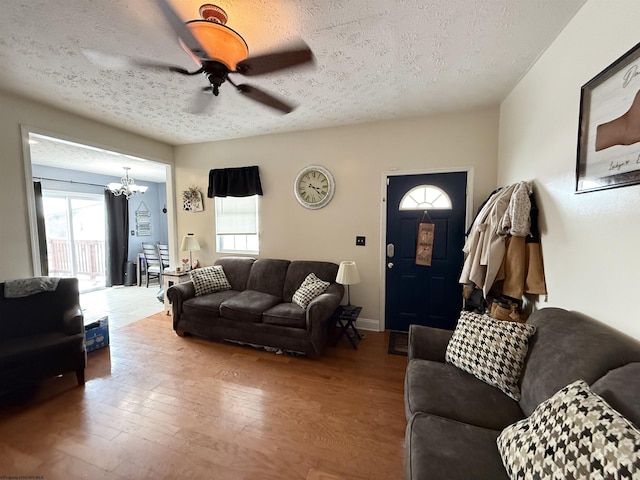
492	350
569	347
298	271
310	289
573	434
441	449
614	389
209	303
248	306
237	270
209	280
444	390
39	348
267	276
286	315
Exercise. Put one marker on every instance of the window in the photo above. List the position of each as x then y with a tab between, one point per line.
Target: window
425	197
74	226
237	225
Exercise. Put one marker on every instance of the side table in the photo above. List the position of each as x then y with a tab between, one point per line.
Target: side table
345	318
168	279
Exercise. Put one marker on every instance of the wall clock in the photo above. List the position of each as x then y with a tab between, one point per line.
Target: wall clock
314	187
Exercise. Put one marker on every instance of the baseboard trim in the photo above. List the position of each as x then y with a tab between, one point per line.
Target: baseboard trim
368	324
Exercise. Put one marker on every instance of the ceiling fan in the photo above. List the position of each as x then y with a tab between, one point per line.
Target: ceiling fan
220	51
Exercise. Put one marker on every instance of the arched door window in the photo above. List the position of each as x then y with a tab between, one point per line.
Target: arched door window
425	197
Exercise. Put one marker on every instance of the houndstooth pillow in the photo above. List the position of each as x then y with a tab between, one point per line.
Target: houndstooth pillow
573	434
310	289
491	350
209	279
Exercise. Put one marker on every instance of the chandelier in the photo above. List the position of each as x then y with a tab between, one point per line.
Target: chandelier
126	187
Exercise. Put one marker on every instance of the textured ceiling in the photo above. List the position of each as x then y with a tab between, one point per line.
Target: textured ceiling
53	152
375	60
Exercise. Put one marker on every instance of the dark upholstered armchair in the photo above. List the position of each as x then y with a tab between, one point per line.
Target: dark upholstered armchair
41	335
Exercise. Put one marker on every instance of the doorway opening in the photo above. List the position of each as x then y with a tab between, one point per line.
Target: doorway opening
73	175
75	233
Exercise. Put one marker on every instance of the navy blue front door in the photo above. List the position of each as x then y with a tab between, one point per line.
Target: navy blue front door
426	295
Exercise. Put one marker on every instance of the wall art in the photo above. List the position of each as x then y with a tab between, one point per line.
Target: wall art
609	127
192	200
143	221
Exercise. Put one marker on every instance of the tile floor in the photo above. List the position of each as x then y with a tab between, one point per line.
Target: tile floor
123	305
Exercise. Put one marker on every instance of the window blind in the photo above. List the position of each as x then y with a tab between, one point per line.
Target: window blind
237	215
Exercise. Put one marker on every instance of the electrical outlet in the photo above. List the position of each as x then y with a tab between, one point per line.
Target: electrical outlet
360	241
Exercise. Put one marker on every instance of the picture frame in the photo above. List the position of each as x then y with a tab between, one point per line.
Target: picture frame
609	127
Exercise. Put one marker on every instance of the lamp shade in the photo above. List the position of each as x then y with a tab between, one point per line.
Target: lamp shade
348	273
219	41
189	243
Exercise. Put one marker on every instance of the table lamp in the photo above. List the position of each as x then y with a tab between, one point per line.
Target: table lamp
348	275
190	244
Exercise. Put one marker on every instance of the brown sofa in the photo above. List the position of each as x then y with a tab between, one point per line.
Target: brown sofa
258	309
41	335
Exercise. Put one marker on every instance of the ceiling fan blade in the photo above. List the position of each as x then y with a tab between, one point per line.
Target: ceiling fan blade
182	30
265	98
163	67
271	62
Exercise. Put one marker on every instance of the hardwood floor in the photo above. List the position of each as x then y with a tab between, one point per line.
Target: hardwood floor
159	406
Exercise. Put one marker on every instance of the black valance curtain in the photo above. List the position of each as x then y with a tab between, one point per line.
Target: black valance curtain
234	182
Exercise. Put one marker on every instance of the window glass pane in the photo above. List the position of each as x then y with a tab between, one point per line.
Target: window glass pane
425	197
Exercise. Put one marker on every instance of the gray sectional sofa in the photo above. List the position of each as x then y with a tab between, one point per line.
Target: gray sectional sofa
454	419
258	309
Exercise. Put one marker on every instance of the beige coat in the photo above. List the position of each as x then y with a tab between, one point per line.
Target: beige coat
506	213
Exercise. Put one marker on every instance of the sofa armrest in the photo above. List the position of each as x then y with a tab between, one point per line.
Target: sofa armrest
73	321
428	343
319	312
178	293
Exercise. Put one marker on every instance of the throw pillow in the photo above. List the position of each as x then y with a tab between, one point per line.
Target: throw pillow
491	350
573	434
310	289
209	279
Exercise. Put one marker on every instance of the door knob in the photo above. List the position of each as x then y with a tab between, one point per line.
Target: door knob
390	264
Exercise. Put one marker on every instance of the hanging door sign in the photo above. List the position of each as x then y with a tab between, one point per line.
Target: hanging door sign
424	248
143	220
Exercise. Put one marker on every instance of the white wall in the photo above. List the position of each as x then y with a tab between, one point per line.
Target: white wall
590	240
357	156
15	241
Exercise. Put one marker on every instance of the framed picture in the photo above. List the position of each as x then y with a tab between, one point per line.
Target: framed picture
609	127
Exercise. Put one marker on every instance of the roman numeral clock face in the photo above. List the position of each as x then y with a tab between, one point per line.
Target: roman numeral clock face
314	187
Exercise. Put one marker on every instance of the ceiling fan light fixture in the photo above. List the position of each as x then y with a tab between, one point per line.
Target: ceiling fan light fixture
127	186
220	42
